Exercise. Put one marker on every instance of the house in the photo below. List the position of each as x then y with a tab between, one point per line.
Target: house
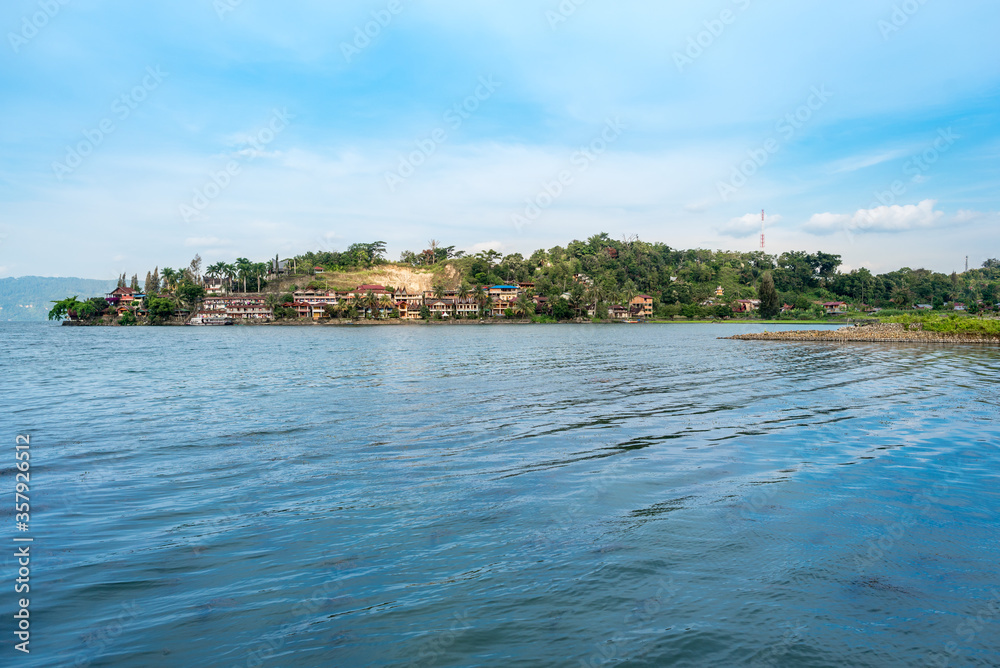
280	267
745	305
635	311
319	270
785	308
408	311
923	307
618	312
466	308
214	285
505	293
317	298
412	300
959	306
720	291
644	304
214	305
445	308
236	308
834	307
304	309
120	296
250	311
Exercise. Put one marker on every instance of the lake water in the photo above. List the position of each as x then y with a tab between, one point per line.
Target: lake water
501	495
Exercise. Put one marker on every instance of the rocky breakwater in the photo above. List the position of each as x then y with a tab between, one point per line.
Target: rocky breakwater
874	333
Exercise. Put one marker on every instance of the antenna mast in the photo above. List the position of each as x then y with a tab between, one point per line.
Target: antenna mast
762	229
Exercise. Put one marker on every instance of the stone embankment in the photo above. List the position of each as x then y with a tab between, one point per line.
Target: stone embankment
875	333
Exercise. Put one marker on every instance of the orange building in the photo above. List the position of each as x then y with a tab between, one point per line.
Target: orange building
644	304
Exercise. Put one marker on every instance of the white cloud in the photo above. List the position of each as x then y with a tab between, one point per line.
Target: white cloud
855	163
489	245
880	219
746	225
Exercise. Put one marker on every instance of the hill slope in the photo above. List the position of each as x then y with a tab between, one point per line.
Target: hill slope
30	297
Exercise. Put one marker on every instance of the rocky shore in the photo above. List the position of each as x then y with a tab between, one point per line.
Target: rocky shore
874	333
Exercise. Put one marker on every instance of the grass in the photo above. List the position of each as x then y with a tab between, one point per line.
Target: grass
704	321
952	324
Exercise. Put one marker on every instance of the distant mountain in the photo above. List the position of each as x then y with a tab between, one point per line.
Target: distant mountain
30	297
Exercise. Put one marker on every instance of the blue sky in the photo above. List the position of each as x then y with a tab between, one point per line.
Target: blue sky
139	134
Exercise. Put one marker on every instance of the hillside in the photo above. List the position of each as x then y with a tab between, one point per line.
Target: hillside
393	275
29	298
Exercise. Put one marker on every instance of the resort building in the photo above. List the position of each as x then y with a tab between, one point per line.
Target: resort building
505	293
120	297
214	285
642	305
444	308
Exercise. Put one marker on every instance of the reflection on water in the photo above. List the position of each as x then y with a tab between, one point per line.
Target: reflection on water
496	495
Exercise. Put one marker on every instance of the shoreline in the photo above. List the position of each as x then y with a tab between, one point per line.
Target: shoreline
880	333
436	323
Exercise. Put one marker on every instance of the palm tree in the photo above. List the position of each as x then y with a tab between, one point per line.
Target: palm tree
629	293
215	270
370	302
385	304
488	305
228	272
169	277
439	291
480	296
244	270
523	305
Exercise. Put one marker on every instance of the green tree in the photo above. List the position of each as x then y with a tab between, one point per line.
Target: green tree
523	306
65	308
190	294
169	278
370	304
425	312
562	310
691	311
385	305
770	305
722	311
160	309
480	296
